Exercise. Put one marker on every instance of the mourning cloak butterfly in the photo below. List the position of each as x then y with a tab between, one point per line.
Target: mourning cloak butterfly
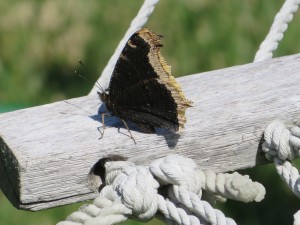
142	88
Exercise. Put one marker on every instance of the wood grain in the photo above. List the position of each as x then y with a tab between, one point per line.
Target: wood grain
47	152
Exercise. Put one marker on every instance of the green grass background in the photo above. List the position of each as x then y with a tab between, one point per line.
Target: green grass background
41	42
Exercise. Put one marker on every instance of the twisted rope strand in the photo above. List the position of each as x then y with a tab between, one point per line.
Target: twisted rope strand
233	186
175	214
178	170
106	209
201	208
281	145
289	174
137	23
279	26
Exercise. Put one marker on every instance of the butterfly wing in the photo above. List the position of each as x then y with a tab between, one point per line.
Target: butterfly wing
142	88
150	104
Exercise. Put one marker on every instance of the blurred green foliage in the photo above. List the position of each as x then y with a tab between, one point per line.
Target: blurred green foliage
42	41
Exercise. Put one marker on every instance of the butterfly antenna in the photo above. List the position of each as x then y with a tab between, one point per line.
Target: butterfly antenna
97	83
81	63
83	77
78	107
99	87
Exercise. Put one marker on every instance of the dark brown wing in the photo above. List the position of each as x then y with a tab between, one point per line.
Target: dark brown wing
142	88
149	103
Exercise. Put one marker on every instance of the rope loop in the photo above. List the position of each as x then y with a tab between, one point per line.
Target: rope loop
277	141
280	146
138	191
281	142
177	170
114	168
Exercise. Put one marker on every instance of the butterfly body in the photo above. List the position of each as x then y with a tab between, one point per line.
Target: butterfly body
142	88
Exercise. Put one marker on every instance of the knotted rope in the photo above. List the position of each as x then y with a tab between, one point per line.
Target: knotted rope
282	145
133	191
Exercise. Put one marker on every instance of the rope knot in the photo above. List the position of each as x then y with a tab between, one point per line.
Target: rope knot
280	142
138	191
177	170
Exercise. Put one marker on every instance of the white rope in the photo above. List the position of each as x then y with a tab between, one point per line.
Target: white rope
279	26
232	186
106	209
186	187
281	145
133	191
138	22
277	142
280	142
289	175
297	218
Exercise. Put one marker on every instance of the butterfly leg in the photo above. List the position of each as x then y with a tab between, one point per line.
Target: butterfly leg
125	124
103	126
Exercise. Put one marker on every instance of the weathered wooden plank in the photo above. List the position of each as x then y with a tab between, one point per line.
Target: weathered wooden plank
48	151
